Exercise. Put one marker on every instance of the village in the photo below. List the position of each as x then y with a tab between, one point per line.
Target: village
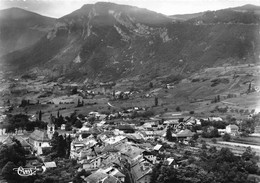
117	144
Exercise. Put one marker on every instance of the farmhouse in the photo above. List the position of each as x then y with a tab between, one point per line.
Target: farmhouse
232	129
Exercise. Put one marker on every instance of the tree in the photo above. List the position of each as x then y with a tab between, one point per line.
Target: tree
156	101
17	121
59	121
62	146
68	127
78	124
8	171
59	145
204	146
79	104
58	114
74	90
249	87
213	149
178	109
169	134
249	154
218	98
14	153
214	140
226	137
40	115
195	136
151	85
214	133
215	100
55	142
68	143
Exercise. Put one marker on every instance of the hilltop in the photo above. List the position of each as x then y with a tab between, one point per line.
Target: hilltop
20	29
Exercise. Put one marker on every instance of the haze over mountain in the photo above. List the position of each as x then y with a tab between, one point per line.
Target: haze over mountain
243	9
107	41
20	28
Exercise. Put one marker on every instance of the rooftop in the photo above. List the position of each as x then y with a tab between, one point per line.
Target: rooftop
157	147
141	169
183	133
114	140
39	136
95	177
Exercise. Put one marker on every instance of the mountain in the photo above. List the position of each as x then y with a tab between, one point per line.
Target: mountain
248	8
183	17
230	16
20	28
107	41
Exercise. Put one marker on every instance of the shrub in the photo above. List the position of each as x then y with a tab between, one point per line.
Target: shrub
178	109
226	137
214	140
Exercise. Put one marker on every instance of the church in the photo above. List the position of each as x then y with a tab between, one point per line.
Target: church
40	139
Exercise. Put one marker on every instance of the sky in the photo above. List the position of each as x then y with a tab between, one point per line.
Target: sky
59	8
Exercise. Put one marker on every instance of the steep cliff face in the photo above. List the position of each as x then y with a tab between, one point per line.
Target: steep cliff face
107	41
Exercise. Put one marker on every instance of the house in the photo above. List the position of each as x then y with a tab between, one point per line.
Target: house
141	171
2	131
169	86
126	128
2	118
257	129
101	123
172	116
91	164
134	138
112	171
95	177
130	151
101	177
171	122
192	120
9	140
149	156
115	140
147	134
232	129
157	147
111	179
51	164
215	119
111	158
170	162
84	129
63	127
183	134
120	176
38	140
221	131
85	153
81	148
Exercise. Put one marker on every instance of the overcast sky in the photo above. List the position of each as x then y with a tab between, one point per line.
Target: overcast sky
58	8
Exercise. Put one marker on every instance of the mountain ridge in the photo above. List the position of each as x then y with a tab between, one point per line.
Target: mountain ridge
20	29
111	42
